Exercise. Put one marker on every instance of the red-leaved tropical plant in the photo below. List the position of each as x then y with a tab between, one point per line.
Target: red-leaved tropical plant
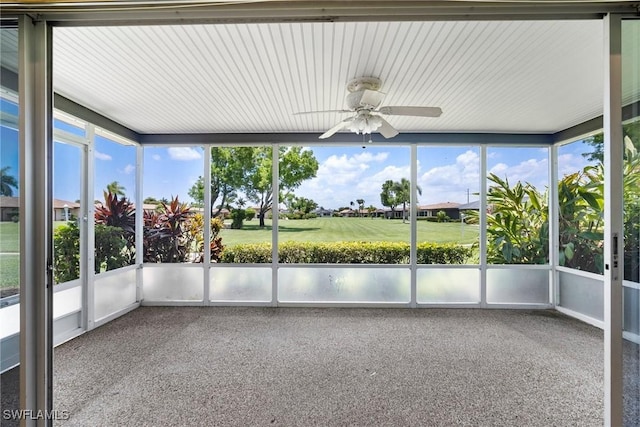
116	213
166	237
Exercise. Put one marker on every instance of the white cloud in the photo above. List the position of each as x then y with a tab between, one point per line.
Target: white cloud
342	178
533	171
450	183
156	157
101	156
183	153
571	163
129	169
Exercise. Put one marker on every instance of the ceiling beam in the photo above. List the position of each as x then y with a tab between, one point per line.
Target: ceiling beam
585	129
344	138
194	11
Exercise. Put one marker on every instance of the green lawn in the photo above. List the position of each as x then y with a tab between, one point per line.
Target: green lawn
9	237
351	229
9	271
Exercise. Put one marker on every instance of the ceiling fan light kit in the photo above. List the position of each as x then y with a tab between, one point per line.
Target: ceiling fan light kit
363	101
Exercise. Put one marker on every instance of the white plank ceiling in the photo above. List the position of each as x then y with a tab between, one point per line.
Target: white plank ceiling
523	76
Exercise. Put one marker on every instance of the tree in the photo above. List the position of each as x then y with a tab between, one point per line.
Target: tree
360	203
303	205
389	196
297	164
395	193
115	188
230	168
403	191
7	182
631	132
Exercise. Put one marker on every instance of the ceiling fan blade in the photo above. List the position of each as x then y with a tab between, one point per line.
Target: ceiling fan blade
411	111
322	111
386	129
336	128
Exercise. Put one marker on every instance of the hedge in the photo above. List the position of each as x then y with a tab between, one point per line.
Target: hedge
346	253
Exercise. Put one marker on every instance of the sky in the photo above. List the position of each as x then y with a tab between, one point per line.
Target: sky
345	173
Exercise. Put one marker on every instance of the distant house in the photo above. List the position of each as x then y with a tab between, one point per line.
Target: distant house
472	206
9	207
64	210
449	208
322	212
397	213
348	212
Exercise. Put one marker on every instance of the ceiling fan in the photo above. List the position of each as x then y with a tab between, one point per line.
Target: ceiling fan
364	101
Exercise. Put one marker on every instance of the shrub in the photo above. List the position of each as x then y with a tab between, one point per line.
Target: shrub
347	253
251	213
195	229
66	260
237	217
442	216
112	250
443	253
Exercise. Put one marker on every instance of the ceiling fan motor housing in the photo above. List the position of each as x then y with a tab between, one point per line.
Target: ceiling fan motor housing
364	100
371	83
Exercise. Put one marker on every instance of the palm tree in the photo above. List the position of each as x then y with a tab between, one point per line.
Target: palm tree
7	182
360	203
403	190
351	204
115	188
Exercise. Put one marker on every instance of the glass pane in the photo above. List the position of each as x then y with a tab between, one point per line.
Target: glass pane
581	202
173	212
67	179
352	207
76	128
440	285
241	284
448	207
67	301
172	283
344	285
114	292
241	204
581	294
517	205
10	206
631	206
517	286
115	193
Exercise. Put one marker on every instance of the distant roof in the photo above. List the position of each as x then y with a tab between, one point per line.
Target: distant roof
445	205
470	206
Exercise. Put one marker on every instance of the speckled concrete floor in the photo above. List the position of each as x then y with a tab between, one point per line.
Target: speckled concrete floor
262	366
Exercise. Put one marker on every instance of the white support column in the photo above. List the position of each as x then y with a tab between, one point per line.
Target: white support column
554	233
275	176
88	300
413	256
36	243
206	181
483	226
139	222
613	231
